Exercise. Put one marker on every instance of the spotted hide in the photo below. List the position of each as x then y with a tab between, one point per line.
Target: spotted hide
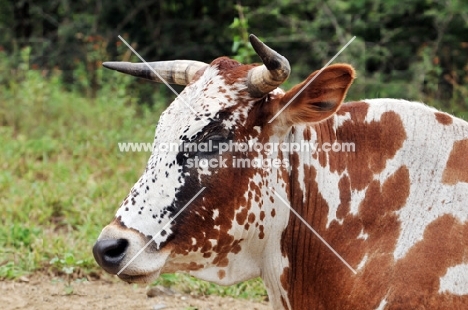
392	203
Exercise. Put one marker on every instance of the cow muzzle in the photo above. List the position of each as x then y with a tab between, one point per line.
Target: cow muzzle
129	254
109	254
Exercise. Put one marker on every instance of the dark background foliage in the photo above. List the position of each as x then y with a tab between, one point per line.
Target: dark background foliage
414	49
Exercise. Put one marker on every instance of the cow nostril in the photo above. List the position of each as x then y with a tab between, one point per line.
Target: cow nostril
110	253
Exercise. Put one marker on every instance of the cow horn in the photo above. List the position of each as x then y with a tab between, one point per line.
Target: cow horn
275	70
173	72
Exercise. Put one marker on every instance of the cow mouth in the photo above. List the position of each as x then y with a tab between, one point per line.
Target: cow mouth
126	253
141	278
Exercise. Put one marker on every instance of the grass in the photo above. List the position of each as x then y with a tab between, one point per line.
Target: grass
62	176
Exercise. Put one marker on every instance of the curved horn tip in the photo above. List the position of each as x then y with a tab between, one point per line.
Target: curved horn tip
256	43
114	65
270	58
253	37
107	64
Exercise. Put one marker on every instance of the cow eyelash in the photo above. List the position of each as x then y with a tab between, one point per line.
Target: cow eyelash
215	137
215	140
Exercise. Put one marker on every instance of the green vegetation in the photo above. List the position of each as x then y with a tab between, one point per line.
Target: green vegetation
414	49
61	169
62	116
253	289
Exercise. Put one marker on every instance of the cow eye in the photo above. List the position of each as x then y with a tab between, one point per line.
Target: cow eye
211	145
216	138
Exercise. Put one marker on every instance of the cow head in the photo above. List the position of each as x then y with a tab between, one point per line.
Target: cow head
232	229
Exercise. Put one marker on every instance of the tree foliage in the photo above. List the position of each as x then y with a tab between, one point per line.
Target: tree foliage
414	49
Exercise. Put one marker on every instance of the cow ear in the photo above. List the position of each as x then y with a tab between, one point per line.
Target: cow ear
319	96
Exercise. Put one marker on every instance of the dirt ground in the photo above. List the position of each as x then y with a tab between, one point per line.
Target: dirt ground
40	293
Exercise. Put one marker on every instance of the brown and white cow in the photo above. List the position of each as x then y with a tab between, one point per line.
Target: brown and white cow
395	208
